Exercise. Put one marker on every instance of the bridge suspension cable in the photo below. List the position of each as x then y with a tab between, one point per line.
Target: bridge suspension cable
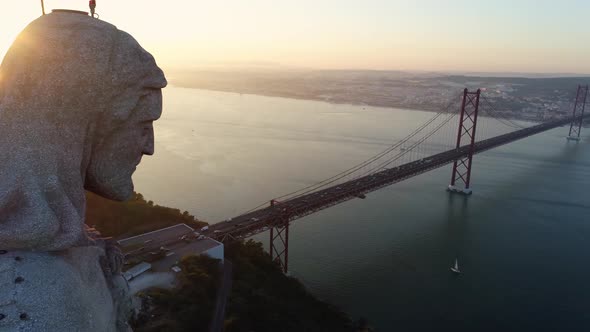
494	113
375	158
382	161
416	144
345	173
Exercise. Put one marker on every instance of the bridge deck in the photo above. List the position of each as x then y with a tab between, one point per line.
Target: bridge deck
260	220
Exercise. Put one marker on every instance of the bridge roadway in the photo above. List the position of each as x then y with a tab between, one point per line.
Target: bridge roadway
258	221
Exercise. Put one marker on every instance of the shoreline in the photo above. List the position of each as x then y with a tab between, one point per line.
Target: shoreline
279	95
331	102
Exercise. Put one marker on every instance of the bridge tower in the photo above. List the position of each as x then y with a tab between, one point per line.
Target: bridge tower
279	240
578	113
279	245
465	139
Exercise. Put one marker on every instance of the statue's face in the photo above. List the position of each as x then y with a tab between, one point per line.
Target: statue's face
111	166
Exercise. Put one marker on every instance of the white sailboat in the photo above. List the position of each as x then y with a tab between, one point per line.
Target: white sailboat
455	268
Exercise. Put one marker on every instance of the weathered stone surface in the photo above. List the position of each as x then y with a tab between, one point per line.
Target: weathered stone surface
64	291
77	101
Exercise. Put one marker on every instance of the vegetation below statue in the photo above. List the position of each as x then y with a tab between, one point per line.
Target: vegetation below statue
135	216
190	306
262	298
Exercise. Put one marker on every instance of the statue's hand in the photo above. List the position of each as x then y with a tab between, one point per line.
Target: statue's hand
114	256
112	262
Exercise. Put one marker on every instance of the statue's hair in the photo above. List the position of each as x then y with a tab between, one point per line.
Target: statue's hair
81	66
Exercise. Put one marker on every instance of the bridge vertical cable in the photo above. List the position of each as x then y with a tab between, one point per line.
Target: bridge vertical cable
434	136
404	148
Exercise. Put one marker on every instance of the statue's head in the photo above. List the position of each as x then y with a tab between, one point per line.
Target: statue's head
86	88
77	101
114	160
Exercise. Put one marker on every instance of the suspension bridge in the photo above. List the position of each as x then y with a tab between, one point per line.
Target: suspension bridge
482	125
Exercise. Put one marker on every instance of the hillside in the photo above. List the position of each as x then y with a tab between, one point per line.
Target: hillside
262	297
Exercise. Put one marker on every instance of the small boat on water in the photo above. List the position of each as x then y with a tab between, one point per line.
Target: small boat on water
455	268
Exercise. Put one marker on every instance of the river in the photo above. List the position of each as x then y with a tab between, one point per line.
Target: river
521	239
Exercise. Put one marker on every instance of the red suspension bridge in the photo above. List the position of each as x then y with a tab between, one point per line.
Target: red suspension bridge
435	143
482	126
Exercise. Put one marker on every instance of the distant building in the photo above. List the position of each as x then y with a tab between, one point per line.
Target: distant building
162	249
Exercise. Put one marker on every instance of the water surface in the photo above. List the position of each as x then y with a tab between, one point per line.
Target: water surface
521	238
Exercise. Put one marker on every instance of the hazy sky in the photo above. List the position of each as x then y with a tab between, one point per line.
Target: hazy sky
492	35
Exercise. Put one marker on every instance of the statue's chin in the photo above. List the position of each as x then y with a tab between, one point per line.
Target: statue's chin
119	193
